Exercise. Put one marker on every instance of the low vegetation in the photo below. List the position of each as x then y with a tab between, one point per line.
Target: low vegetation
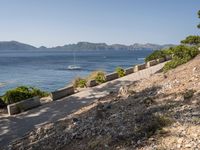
157	54
120	71
181	54
79	82
98	76
22	93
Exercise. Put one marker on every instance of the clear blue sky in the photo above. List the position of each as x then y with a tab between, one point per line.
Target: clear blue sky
59	22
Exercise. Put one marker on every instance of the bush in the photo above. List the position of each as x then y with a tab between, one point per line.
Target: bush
98	76
120	71
22	93
155	55
182	54
173	64
79	82
191	40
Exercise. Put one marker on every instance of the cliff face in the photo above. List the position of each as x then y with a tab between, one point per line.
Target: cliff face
160	112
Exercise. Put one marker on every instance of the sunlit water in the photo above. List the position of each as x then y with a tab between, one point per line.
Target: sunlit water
47	69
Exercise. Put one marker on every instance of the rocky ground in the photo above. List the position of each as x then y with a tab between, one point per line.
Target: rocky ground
158	113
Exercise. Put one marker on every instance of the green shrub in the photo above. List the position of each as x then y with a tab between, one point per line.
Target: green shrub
191	40
182	54
22	93
155	55
173	64
79	82
120	71
98	76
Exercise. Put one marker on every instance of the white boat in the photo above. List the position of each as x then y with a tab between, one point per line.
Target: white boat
74	66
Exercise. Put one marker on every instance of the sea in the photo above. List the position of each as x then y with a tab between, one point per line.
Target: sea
48	69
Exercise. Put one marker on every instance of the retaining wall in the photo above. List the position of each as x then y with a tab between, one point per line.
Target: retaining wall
151	63
139	67
60	93
160	60
23	105
111	76
169	57
91	83
129	70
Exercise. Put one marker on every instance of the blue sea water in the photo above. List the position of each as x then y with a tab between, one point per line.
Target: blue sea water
47	69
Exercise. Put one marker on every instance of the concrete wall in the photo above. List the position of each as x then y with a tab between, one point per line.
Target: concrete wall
23	105
129	70
111	76
139	67
160	60
91	83
168	57
151	63
60	93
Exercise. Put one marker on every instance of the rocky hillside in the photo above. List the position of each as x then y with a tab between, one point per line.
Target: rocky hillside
161	112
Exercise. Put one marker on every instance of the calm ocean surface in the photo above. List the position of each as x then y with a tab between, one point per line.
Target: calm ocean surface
47	69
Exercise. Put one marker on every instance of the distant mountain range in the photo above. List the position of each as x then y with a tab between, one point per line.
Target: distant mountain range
14	45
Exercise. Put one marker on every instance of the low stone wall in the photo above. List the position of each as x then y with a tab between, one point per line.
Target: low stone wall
168	57
139	67
60	93
91	83
160	60
151	63
129	70
23	105
111	76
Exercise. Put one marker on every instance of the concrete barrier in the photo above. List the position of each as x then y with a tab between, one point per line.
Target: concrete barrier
151	63
169	57
91	83
160	60
139	67
23	105
129	70
111	76
60	93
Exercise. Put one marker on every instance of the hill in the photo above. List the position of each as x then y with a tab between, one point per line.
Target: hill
14	45
159	112
104	46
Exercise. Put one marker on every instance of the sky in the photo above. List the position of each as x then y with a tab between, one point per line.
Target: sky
60	22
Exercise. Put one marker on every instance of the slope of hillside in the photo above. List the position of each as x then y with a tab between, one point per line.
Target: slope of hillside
161	112
14	45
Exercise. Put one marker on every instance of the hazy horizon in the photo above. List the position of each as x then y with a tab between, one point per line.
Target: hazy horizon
52	23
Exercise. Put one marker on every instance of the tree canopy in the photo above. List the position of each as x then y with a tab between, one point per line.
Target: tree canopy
191	40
